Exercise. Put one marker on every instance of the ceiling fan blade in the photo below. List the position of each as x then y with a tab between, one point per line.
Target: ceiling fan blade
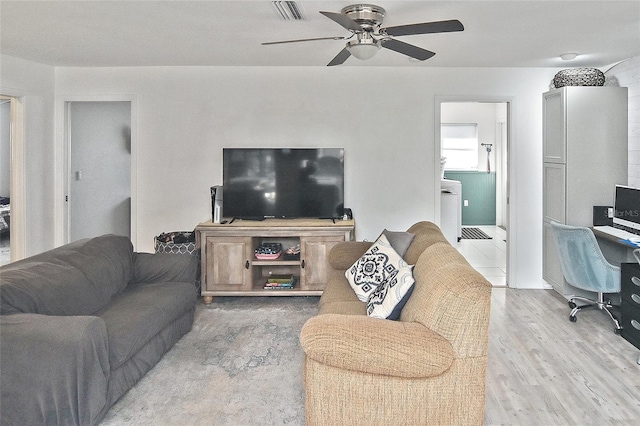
425	28
340	58
302	39
407	49
343	20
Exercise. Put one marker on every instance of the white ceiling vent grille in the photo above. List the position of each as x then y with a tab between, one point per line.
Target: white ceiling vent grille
288	10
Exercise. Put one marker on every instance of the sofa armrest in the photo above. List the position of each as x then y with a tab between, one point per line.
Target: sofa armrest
376	346
164	267
345	253
55	369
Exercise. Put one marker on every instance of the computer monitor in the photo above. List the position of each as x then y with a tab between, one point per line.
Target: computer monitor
627	207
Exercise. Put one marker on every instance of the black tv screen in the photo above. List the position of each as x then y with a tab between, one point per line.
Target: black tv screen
261	183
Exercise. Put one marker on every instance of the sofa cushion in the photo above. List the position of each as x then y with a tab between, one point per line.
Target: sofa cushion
51	363
371	346
353	307
447	286
399	240
427	234
375	266
158	267
337	289
75	279
345	253
141	312
388	299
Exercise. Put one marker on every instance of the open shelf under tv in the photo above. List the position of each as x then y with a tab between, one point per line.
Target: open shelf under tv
229	266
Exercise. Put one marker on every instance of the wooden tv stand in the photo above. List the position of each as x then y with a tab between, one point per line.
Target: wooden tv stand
229	266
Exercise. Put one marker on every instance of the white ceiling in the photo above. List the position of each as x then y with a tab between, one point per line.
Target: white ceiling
228	33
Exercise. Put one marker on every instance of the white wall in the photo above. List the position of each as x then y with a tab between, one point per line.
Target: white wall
627	74
383	117
34	83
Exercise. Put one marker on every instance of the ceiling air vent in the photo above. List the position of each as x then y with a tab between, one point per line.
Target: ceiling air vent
288	10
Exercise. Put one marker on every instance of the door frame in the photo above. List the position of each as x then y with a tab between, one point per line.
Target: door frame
63	161
17	227
510	174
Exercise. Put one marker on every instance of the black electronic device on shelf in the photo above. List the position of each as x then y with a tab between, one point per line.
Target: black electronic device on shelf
283	183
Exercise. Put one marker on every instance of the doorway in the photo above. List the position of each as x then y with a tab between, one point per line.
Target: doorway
12	193
98	168
478	149
5	180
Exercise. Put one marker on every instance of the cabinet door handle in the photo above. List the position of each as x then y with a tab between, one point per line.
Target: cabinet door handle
635	324
246	265
636	281
302	263
635	298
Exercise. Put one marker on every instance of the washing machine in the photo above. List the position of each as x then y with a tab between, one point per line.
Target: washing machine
451	210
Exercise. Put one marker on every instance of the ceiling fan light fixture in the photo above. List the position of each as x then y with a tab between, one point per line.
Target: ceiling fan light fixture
363	49
569	56
367	36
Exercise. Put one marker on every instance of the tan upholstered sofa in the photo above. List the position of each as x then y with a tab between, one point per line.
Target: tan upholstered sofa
427	368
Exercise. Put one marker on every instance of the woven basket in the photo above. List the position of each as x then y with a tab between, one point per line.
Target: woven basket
176	248
579	77
188	248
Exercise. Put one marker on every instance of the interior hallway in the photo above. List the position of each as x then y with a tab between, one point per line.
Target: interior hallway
5	253
489	257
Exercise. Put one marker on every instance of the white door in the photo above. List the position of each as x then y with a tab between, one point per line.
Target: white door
99	169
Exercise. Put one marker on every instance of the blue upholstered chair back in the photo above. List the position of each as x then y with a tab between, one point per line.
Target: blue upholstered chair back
583	264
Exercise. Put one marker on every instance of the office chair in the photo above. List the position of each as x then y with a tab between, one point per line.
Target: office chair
585	267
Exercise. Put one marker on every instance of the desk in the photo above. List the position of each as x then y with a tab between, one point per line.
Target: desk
619	253
616	252
630	321
613	249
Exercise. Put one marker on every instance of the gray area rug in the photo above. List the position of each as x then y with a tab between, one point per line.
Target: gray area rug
241	364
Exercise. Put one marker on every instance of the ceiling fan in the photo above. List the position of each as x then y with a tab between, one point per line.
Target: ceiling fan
367	36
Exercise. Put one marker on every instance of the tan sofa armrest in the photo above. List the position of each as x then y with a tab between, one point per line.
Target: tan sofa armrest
345	254
376	346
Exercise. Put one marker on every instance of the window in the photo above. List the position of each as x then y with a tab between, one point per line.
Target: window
459	145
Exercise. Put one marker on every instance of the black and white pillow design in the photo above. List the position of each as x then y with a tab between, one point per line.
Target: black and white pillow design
388	299
374	267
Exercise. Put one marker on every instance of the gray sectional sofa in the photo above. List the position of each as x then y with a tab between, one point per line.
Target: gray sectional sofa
81	324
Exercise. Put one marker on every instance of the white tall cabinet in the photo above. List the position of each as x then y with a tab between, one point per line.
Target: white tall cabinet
585	147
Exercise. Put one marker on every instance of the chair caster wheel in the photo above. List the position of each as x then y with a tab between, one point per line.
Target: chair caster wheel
572	305
572	318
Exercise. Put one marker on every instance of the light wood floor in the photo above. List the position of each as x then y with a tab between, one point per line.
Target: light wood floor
545	370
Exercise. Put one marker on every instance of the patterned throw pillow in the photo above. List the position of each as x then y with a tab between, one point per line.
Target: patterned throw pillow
373	268
388	299
400	241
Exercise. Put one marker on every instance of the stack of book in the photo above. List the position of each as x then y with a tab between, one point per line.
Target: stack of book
280	282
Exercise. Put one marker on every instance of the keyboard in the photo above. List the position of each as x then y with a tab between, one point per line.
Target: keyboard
618	233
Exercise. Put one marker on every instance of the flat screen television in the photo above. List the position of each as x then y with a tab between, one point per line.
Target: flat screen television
260	183
627	207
